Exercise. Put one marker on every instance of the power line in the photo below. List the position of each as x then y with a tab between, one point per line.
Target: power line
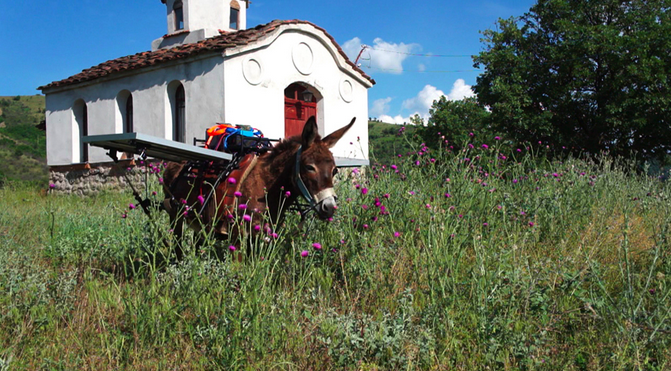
420	71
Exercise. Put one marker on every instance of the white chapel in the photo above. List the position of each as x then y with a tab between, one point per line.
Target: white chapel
210	68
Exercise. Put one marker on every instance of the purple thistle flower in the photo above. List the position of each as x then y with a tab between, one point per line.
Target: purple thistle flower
485	146
305	253
317	246
131	206
497	138
287	194
232	180
364	191
52	185
201	199
396	234
246	218
237	193
232	248
242	206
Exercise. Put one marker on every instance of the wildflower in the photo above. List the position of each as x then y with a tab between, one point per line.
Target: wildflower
131	206
470	146
394	166
257	228
201	199
317	246
123	216
364	191
497	138
232	180
396	234
471	134
531	224
515	181
287	194
153	193
237	193
242	206
246	217
485	224
274	235
365	226
386	195
485	146
232	248
447	195
52	185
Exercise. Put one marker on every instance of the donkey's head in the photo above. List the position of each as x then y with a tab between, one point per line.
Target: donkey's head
316	167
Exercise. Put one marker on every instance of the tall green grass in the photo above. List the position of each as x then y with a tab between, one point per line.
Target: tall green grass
488	258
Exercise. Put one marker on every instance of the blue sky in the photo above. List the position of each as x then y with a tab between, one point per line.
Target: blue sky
44	41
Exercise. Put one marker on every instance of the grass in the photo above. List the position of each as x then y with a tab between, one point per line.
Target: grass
460	261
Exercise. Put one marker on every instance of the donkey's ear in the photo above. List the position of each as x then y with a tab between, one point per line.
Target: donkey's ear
310	132
334	137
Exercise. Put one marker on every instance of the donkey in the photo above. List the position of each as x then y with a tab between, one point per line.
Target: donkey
300	166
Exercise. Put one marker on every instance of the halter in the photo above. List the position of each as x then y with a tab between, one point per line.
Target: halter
313	201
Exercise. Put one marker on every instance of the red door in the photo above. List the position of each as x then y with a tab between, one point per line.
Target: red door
299	106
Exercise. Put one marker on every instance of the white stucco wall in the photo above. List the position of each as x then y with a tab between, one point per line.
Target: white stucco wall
152	113
257	75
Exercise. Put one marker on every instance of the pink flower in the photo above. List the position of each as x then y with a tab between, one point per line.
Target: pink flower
232	248
232	180
531	224
242	206
305	253
131	206
394	167
364	191
52	185
317	246
246	217
485	146
237	193
201	199
396	234
287	194
497	138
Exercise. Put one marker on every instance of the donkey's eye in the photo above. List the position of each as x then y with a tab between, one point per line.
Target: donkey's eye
335	171
310	168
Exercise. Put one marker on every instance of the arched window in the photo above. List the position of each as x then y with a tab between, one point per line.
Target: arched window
80	129
178	12
234	18
124	113
128	122
179	116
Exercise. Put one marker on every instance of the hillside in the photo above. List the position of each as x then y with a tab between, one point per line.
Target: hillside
386	141
22	144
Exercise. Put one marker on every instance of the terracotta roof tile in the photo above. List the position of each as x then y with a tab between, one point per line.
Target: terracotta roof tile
217	43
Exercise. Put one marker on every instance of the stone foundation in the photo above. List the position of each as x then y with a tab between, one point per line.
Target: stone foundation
90	179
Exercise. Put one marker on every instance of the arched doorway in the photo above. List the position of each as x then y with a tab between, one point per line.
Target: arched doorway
300	103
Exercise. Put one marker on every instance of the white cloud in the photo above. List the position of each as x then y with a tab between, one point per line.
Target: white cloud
382	55
398	119
460	90
379	107
423	101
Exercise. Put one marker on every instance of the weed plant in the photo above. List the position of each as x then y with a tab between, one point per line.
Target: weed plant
491	257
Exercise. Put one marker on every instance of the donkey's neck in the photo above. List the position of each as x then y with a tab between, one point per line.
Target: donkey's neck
278	172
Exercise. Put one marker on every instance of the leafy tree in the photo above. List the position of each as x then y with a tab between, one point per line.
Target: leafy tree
455	120
587	74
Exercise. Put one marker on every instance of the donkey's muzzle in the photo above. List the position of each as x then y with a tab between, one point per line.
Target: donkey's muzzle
326	203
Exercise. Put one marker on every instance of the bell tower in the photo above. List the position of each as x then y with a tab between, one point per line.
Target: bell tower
190	21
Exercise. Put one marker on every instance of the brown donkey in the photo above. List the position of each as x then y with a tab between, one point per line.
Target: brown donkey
268	183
